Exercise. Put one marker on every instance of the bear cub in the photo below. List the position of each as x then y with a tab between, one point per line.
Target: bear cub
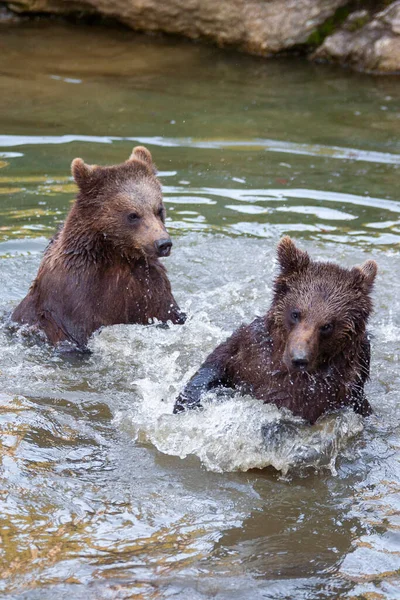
102	267
310	353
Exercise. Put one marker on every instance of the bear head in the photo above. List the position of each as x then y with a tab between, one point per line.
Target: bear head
122	206
319	310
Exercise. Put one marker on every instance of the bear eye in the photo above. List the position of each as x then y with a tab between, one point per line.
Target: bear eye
133	217
327	328
295	315
160	213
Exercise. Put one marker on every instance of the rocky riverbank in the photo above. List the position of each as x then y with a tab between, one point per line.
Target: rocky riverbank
363	34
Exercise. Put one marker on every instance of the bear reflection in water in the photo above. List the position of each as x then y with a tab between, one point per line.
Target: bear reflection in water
310	353
102	267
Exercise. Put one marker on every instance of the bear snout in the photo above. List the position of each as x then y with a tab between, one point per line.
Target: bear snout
300	351
297	359
300	361
163	247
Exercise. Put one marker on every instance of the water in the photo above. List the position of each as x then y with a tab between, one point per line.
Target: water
104	493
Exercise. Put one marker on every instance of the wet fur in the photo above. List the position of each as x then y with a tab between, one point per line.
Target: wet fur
255	359
100	269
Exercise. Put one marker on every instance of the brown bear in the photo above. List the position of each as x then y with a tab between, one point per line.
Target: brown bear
102	267
310	353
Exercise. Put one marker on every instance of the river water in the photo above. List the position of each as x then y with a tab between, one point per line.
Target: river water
106	495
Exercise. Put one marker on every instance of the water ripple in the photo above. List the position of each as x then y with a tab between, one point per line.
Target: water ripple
317	150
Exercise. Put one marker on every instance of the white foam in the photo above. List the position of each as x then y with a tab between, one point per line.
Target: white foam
235	433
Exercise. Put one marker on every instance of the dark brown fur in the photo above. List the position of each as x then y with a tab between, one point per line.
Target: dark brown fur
310	352
102	268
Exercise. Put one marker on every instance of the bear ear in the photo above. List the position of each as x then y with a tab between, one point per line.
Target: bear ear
81	172
141	153
368	271
290	258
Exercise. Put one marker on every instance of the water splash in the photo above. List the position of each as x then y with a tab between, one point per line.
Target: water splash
234	433
240	433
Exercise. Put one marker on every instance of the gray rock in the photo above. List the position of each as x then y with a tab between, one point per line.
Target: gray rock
255	26
264	27
373	47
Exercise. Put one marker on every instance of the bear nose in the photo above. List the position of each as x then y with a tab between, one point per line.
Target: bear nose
300	363
163	246
300	359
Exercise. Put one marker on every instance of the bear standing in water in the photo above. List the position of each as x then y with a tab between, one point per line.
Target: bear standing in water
102	267
310	352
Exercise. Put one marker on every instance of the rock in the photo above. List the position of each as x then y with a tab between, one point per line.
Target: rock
368	42
256	26
373	46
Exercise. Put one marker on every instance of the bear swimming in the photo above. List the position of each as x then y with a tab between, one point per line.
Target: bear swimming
102	267
310	353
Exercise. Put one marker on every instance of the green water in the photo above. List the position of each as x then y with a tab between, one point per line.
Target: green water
103	494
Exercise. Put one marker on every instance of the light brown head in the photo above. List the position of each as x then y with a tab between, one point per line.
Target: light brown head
123	205
320	309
